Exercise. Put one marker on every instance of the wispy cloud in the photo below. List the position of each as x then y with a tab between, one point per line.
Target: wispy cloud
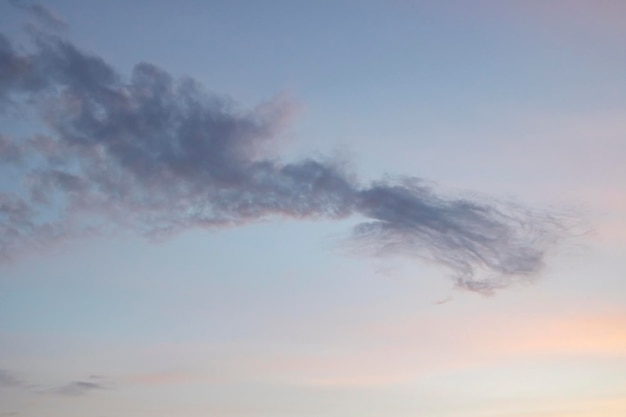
73	388
160	155
82	387
77	388
7	379
42	15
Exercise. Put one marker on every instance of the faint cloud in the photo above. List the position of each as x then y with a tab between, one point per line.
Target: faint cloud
444	300
42	15
7	379
82	387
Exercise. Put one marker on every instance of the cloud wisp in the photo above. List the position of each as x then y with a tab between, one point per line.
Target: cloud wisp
72	389
79	388
160	155
7	379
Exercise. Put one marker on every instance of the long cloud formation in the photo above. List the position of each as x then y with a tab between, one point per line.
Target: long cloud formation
159	155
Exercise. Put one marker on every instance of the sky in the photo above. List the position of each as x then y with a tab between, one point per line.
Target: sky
313	209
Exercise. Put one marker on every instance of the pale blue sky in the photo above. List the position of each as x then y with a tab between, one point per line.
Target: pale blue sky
520	100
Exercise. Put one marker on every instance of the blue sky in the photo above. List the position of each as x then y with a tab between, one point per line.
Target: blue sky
356	208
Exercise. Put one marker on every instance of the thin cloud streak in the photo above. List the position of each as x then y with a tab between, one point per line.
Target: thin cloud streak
159	155
79	388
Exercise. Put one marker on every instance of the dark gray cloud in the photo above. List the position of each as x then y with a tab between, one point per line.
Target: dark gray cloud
159	155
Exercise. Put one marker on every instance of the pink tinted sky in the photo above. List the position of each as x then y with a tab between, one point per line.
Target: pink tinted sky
521	100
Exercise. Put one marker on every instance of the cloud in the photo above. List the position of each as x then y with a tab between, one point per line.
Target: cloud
42	15
78	388
159	155
7	379
82	387
74	388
